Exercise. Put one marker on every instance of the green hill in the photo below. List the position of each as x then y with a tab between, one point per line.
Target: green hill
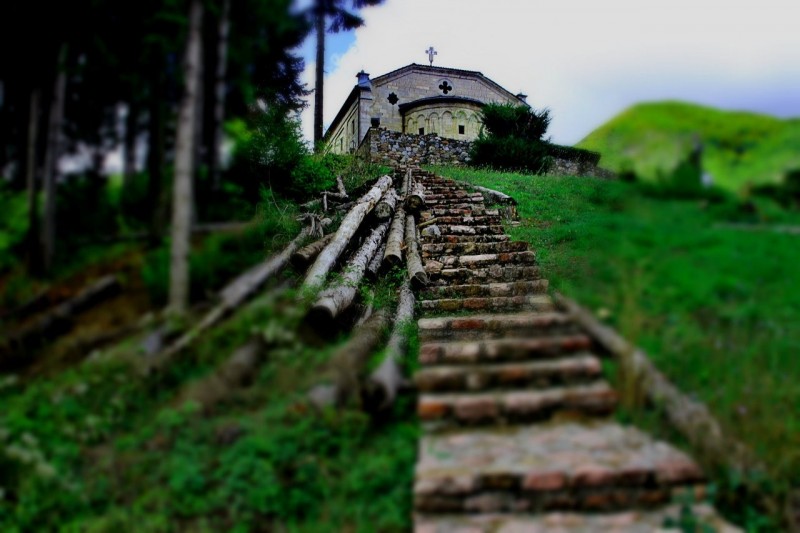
739	148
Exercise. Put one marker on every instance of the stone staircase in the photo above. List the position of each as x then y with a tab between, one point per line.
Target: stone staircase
513	404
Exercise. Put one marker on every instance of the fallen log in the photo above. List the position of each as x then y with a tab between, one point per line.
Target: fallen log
385	208
352	221
305	255
416	272
495	196
234	295
415	199
691	418
340	186
384	383
339	384
374	266
338	297
393	255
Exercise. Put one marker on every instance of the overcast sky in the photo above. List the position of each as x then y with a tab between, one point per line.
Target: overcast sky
586	60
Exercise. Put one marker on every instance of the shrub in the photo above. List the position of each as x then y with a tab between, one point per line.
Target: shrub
508	120
312	175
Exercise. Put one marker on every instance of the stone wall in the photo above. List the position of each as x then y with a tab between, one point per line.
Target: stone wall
390	147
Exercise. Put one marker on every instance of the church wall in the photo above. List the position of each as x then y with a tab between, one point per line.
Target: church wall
346	135
445	120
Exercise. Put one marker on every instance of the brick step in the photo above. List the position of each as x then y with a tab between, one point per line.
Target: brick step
512	288
536	302
460	211
502	350
628	521
480	261
442	239
560	466
536	375
439	411
494	273
469	248
476	220
495	326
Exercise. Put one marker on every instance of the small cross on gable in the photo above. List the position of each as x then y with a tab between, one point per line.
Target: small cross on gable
431	52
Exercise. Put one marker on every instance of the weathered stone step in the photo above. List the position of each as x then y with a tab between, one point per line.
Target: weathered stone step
593	466
465	229
441	239
469	248
439	411
463	205
494	326
467	220
460	211
480	261
536	374
503	349
629	521
494	273
511	288
535	302
452	201
454	195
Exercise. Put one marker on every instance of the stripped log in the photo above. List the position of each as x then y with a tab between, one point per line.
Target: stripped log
384	383
338	297
232	296
416	272
490	194
352	221
415	199
305	255
385	208
339	384
393	256
691	418
374	266
340	186
406	186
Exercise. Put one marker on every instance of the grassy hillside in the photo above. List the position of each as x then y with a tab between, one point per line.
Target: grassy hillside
738	148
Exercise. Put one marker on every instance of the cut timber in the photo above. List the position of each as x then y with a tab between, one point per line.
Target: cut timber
340	381
385	208
415	200
340	186
231	297
416	272
305	255
386	380
349	226
338	297
393	256
374	266
689	417
490	194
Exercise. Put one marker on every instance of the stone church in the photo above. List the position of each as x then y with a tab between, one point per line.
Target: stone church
418	99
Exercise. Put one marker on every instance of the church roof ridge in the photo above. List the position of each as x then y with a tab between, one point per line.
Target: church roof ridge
429	68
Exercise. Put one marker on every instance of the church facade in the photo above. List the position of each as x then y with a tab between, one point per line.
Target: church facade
418	99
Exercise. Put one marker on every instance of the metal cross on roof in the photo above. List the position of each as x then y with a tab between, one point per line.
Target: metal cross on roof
431	52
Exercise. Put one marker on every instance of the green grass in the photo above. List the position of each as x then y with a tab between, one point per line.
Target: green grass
740	149
716	309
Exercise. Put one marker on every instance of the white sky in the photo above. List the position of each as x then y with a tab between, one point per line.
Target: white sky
586	60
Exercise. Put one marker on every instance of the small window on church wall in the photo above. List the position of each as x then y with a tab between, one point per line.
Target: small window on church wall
461	129
422	131
341	145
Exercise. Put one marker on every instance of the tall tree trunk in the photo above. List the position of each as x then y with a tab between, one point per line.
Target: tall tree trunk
184	159
155	157
320	74
219	93
32	244
51	162
131	131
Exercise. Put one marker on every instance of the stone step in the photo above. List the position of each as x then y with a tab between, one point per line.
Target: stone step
480	261
535	302
454	195
494	273
564	466
463	205
468	248
536	375
505	349
495	326
512	288
466	229
460	211
438	411
451	239
704	516
466	220
451	202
